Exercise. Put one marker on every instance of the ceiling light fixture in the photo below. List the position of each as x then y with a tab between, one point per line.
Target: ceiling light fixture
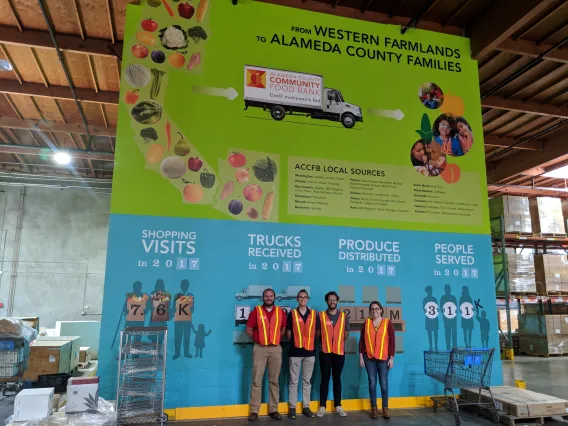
5	65
559	173
61	157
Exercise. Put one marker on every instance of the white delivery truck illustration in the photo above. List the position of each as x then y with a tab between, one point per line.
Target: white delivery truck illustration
251	292
289	92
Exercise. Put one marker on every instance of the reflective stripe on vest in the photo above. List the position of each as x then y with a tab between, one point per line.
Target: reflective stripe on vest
332	336
377	342
304	334
269	331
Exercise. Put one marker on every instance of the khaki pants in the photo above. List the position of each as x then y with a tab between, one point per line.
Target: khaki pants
262	355
307	364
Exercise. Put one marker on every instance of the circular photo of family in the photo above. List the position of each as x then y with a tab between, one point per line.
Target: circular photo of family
431	96
427	158
453	134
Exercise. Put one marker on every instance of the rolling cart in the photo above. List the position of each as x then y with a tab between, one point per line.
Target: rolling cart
14	354
462	368
141	375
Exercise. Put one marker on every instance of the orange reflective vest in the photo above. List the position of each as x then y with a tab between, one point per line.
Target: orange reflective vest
377	341
304	332
269	331
332	337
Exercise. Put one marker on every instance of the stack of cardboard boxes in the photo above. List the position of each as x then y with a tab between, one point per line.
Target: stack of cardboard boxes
515	211
521	270
551	272
547	216
543	334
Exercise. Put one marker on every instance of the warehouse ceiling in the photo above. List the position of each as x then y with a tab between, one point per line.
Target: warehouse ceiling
47	101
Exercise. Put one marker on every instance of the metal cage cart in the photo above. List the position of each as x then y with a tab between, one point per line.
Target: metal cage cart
14	354
141	375
462	368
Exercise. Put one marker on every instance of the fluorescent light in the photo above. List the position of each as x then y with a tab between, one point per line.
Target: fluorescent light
5	65
62	157
559	173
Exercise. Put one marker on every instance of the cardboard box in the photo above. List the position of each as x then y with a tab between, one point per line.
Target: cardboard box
82	394
547	216
33	404
521	270
75	347
47	357
84	355
515	212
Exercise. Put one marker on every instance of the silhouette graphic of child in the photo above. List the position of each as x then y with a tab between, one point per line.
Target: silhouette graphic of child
484	327
199	339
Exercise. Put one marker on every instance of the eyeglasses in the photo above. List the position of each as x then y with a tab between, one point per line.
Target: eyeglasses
445	126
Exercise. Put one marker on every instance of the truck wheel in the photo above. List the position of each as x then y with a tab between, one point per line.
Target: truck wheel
277	112
348	120
239	298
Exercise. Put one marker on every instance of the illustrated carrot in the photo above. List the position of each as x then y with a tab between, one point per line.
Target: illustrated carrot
201	10
227	189
168	8
267	208
169	134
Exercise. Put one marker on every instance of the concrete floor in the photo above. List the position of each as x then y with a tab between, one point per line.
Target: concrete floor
543	375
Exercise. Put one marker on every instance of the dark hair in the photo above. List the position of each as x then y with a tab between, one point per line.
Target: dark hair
451	121
464	121
414	161
376	302
268	289
331	293
302	291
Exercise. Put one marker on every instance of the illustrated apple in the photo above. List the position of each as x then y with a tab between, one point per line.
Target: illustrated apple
149	25
186	10
237	159
194	164
252	193
139	51
242	175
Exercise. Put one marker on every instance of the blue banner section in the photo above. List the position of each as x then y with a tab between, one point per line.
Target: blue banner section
202	277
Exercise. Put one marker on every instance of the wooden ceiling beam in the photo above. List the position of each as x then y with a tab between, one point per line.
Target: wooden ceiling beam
530	48
57	92
500	21
495	141
74	153
525	106
15	123
520	190
70	43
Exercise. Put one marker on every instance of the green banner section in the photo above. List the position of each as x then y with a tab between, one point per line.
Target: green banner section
264	113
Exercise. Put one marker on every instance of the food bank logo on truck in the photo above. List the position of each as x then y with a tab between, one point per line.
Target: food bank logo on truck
288	92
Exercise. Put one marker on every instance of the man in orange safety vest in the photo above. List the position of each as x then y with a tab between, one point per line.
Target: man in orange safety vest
266	325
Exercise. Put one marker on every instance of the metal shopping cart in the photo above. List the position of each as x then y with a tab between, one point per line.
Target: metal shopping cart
462	368
14	353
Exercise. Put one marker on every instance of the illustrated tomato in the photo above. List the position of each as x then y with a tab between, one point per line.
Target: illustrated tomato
149	25
237	159
176	60
131	97
139	51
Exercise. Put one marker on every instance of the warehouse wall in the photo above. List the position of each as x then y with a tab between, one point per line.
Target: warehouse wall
61	255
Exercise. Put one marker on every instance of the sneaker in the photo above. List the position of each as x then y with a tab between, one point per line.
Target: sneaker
340	411
307	412
321	412
292	413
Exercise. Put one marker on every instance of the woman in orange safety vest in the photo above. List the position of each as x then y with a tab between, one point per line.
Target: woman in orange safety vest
376	352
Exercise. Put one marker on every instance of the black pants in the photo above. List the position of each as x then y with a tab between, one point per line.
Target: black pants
331	365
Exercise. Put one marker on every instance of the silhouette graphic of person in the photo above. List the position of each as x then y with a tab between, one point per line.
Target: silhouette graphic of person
200	336
160	310
467	323
135	308
182	318
450	324
484	327
432	324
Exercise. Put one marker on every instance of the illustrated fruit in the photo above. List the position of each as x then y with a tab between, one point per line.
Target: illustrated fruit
267	207
149	25
453	104
137	75
131	97
158	56
252	213
265	169
193	193
154	3
182	147
176	60
235	207
147	112
194	164
207	179
425	131
173	167
237	159
451	173
155	153
227	189
146	38
139	51
242	175
252	193
194	61
185	10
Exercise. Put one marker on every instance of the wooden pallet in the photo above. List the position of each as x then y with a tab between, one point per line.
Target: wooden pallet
542	355
513	421
83	365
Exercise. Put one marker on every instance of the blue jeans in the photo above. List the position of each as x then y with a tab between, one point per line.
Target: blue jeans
376	367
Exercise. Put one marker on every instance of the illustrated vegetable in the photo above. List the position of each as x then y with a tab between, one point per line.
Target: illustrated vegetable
185	10
202	10
194	61
169	134
267	207
425	131
173	167
137	75
139	51
173	37
227	189
197	33
146	38
252	213
182	147
207	179
193	193
176	60
194	164
265	169
237	159
156	82
242	175
131	97
252	193
155	153
154	3
149	134
168	8
149	25
147	112
235	207
158	56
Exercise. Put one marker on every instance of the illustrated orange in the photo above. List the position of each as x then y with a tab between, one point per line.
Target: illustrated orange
453	104
193	193
176	60
451	173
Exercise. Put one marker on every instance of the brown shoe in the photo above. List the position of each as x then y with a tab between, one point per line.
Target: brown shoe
253	417
386	413
275	415
374	413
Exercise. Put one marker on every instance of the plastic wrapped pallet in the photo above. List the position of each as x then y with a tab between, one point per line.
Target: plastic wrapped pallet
521	272
547	217
515	211
551	272
543	334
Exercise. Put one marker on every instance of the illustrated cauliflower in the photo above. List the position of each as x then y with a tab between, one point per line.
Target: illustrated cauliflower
173	37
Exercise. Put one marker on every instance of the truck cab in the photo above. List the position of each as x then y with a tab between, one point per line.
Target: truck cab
333	103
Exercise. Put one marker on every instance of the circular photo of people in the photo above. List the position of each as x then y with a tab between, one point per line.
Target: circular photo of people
431	96
427	159
453	134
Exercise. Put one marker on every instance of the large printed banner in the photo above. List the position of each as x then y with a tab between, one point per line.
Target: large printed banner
262	146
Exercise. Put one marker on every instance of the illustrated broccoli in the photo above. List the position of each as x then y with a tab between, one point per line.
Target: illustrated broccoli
149	134
197	33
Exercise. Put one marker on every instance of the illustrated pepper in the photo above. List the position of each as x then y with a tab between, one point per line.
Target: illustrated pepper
168	8
169	134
